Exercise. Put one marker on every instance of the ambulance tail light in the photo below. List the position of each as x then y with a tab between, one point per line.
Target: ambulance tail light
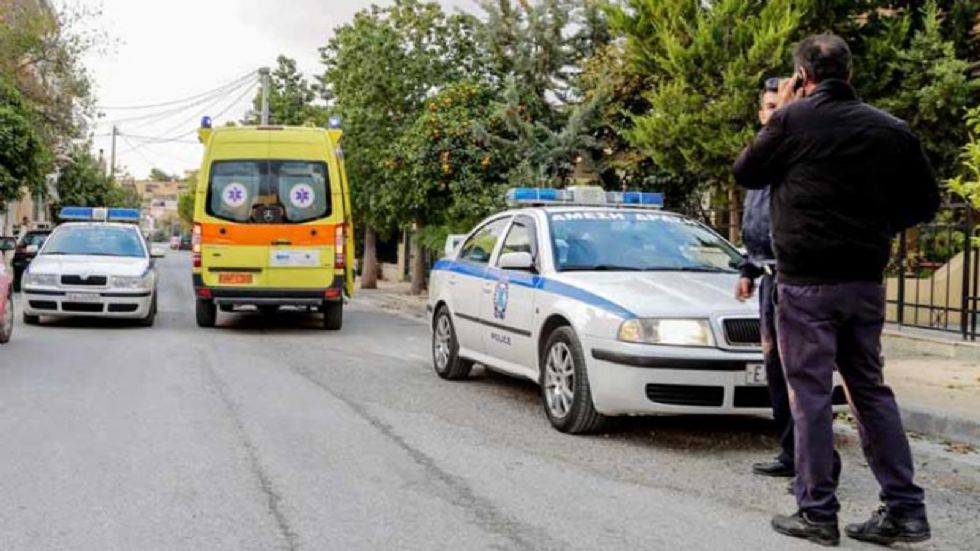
196	245
340	259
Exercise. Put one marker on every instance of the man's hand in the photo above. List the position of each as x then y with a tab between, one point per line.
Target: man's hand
744	289
786	92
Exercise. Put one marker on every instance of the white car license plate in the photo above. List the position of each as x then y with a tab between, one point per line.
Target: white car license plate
295	259
755	375
82	297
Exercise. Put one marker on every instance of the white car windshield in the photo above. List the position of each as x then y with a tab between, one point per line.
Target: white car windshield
637	241
95	241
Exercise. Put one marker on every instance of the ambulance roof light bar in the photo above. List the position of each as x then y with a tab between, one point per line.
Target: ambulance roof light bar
99	214
583	196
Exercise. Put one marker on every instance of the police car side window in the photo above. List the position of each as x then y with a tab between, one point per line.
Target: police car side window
479	246
520	239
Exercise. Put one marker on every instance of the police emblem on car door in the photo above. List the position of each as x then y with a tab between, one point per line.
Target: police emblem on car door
500	295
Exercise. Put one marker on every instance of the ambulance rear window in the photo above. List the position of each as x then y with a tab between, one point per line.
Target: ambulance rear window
269	192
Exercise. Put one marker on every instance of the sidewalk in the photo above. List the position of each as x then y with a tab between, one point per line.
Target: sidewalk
939	395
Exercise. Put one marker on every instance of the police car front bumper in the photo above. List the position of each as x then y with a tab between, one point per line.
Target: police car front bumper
101	304
637	379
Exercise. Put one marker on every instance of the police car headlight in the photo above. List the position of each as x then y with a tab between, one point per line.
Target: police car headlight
675	332
127	282
40	280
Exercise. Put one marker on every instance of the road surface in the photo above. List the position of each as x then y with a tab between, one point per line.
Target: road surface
271	434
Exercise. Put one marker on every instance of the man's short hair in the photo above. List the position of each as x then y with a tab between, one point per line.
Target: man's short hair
824	56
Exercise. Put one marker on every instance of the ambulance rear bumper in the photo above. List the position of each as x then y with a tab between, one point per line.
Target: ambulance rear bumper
242	296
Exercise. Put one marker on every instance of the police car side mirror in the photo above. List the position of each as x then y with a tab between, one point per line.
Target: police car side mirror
452	242
7	244
521	261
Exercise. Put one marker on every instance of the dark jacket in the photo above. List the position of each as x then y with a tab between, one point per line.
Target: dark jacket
845	179
756	234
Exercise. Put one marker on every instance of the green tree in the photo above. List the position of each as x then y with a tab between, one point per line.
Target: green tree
967	183
291	96
24	157
185	202
82	182
704	63
158	175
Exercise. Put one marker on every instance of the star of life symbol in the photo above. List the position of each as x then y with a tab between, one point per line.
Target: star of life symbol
302	196
235	195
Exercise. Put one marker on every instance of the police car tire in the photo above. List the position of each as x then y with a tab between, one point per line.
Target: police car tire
206	313
31	320
333	315
152	314
582	417
456	368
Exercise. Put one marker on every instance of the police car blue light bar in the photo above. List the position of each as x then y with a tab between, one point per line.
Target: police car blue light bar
99	214
583	195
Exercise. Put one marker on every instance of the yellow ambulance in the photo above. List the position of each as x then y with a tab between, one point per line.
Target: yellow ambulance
272	222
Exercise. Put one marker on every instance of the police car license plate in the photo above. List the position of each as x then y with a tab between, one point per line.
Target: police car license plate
235	278
82	297
755	375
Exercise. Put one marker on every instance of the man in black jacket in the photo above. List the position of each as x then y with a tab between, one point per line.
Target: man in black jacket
845	179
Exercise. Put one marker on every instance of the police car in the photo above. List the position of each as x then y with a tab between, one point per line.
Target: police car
613	306
95	265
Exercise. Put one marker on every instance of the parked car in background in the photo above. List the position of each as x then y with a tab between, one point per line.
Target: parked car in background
30	243
175	242
185	243
6	291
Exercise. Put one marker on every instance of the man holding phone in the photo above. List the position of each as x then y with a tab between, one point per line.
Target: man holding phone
845	179
760	263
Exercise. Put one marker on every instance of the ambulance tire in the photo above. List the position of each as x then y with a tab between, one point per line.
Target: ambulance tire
152	314
206	313
445	349
580	416
333	314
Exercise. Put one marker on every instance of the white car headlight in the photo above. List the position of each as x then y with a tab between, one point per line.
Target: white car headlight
130	282
40	280
675	332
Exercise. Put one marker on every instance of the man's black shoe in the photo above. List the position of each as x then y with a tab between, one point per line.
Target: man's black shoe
800	525
886	528
773	468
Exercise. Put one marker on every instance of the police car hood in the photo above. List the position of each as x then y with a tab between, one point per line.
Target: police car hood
655	294
94	265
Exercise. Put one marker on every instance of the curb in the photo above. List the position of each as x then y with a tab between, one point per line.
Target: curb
899	342
941	425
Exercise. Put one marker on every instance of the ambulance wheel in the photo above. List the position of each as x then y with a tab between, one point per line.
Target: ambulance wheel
207	313
7	321
445	349
333	314
152	314
268	309
31	320
565	385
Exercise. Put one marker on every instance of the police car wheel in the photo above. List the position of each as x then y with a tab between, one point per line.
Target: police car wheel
333	315
7	321
565	385
152	314
445	349
206	313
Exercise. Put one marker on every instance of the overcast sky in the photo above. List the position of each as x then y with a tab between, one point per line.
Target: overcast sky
175	49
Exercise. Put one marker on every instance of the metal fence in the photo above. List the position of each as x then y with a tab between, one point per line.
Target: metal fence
933	280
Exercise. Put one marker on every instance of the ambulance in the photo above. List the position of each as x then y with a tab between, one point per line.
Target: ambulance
272	222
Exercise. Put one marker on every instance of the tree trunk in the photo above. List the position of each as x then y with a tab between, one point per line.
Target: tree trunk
369	267
418	263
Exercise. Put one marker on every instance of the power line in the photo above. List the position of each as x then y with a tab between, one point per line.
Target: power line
173	102
152	118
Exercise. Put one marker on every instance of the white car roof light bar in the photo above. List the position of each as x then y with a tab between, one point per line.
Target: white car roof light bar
98	214
583	196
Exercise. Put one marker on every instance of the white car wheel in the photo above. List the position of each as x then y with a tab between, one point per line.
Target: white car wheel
565	385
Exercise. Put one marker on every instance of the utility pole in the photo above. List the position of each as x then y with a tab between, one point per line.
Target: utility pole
112	156
264	76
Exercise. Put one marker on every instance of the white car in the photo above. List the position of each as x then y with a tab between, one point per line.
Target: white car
92	269
613	308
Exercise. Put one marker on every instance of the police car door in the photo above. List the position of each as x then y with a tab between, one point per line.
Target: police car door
466	279
507	302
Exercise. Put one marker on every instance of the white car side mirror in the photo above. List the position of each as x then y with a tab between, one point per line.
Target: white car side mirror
516	261
452	242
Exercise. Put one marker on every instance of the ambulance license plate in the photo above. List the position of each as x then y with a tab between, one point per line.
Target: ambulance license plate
235	278
82	297
755	375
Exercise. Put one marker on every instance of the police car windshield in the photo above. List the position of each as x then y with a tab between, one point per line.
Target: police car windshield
268	192
95	241
620	240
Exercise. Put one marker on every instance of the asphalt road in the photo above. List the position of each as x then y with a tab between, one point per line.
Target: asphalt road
271	434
